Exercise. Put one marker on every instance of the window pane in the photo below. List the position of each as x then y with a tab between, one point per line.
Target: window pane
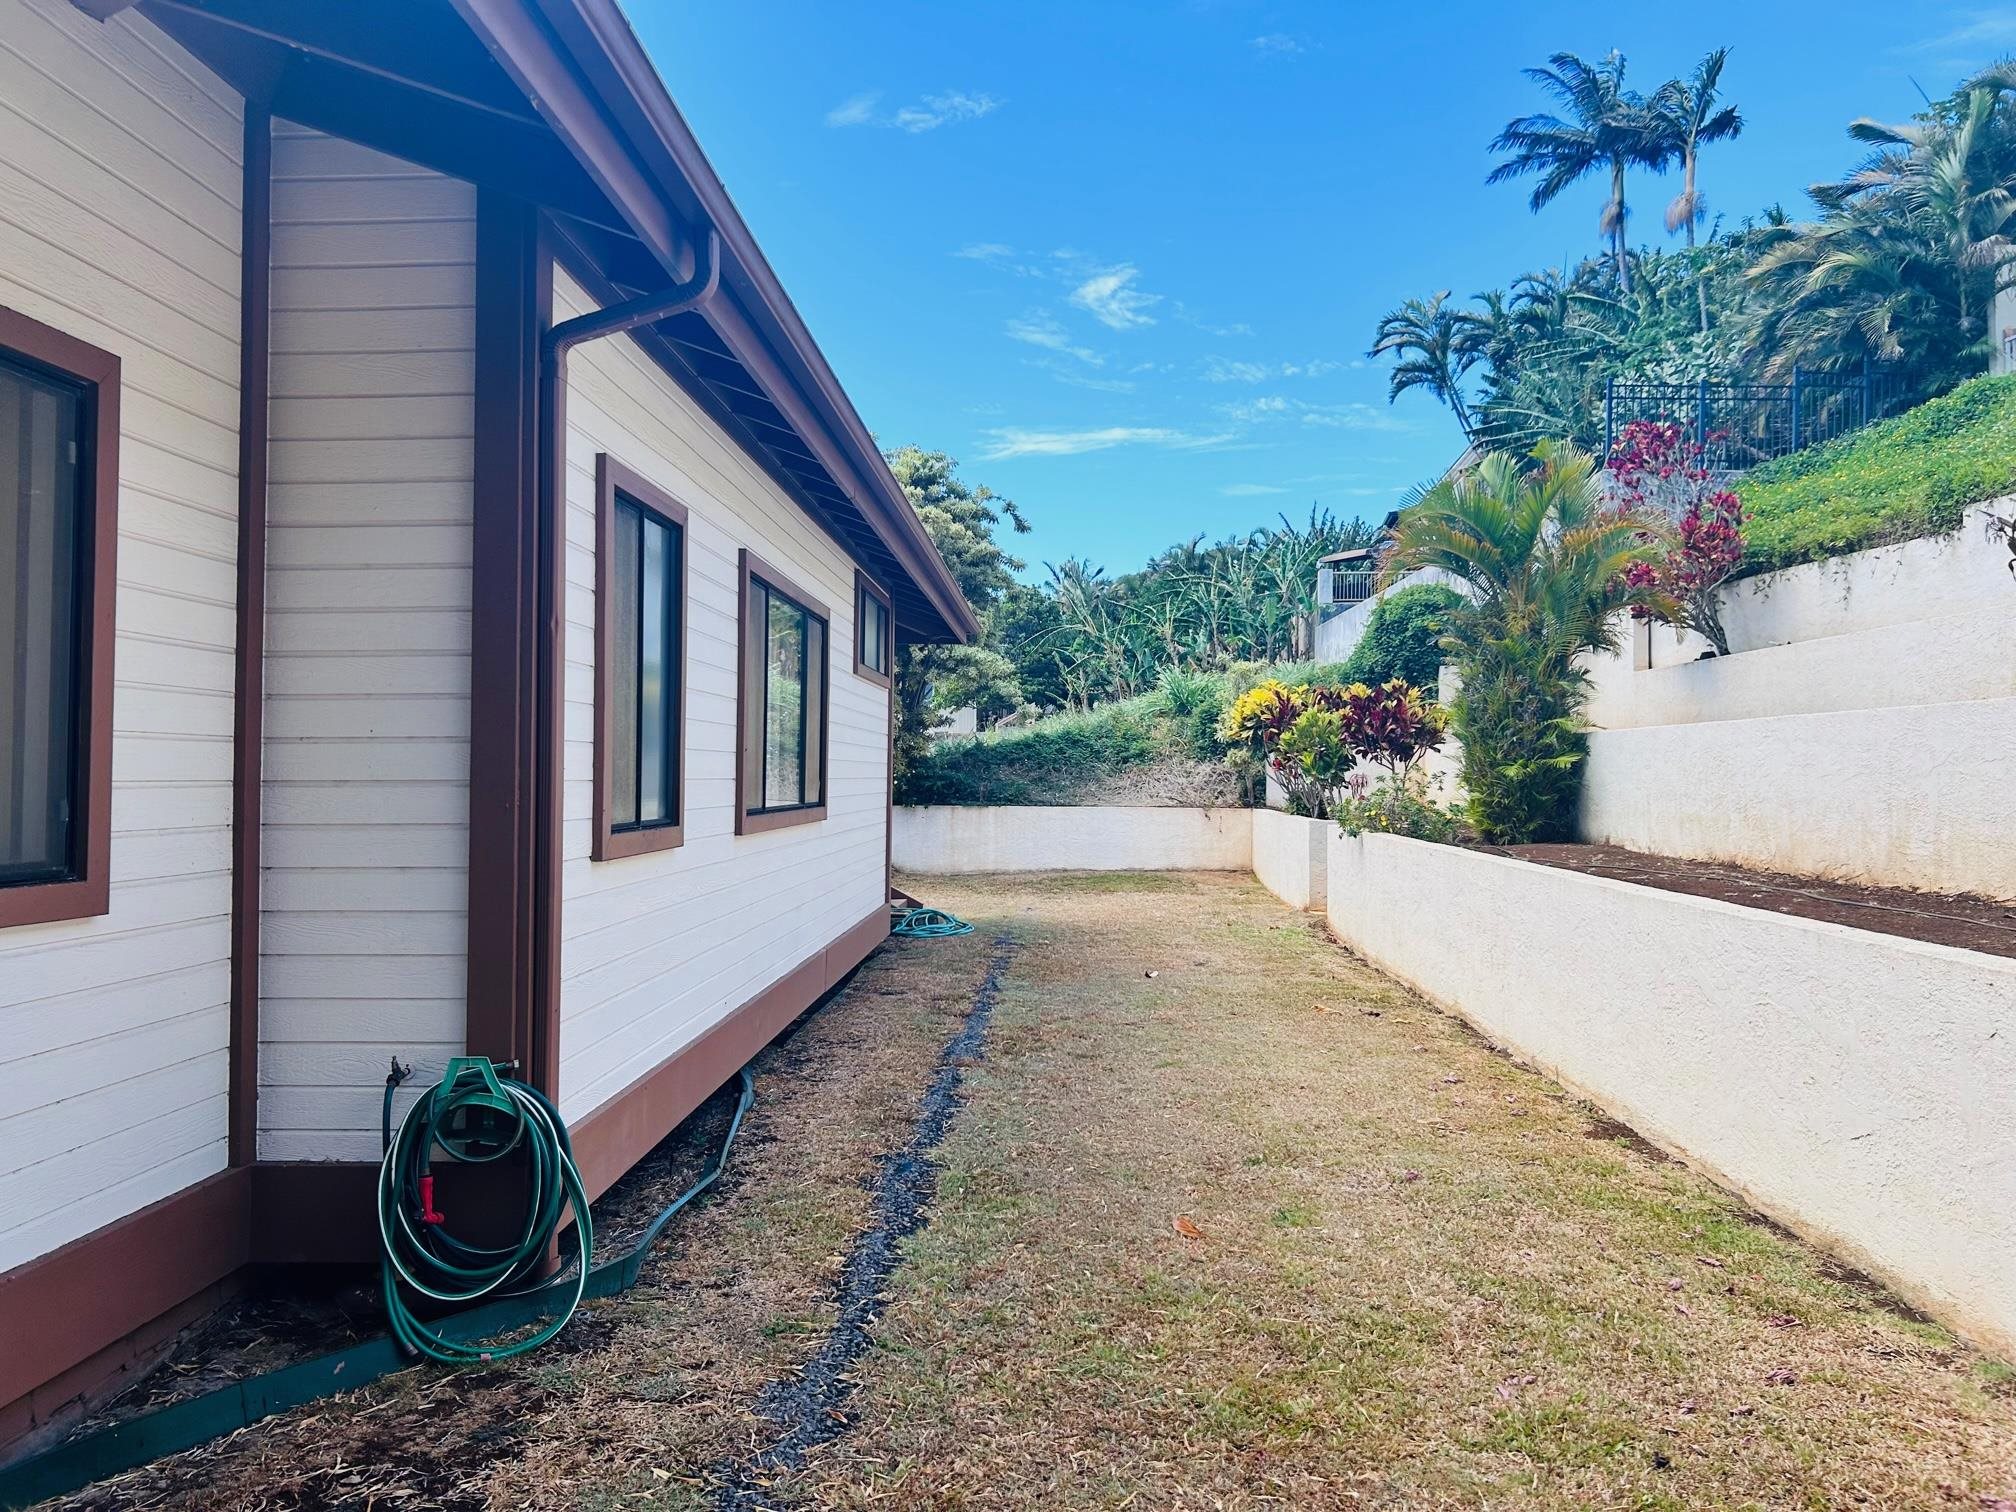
874	634
625	613
755	692
784	706
815	707
652	679
41	431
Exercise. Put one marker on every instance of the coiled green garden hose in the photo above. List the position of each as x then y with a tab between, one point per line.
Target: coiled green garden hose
930	924
476	1117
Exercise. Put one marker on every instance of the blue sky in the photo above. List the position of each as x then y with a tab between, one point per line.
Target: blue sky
1124	260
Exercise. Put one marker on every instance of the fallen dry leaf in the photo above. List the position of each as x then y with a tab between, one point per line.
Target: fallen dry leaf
1782	1320
1410	1175
1185	1227
1708	1260
1782	1377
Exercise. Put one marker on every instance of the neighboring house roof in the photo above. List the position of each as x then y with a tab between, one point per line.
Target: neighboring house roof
555	101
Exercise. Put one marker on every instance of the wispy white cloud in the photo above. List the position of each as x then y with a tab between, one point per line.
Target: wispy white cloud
1111	298
857	111
1039	328
986	251
1276	44
1015	441
1331	416
1229	370
927	114
1249	490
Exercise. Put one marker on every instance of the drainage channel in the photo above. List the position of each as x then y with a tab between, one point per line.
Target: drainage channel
805	1406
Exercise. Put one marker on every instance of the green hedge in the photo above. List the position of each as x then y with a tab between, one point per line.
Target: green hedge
1909	476
1403	638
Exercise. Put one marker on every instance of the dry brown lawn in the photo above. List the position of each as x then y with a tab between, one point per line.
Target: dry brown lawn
1228	1220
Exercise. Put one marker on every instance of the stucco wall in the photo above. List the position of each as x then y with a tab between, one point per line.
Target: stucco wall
121	171
1291	857
946	839
1859	1087
1907	797
1950	659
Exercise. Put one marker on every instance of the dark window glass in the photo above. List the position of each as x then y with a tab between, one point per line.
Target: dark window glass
644	671
42	561
788	713
874	630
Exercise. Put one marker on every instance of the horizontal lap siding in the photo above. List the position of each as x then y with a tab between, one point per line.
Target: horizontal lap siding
120	181
656	948
366	798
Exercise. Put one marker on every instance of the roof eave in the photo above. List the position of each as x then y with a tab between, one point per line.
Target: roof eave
649	164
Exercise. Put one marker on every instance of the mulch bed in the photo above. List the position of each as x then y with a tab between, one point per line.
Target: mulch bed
1971	923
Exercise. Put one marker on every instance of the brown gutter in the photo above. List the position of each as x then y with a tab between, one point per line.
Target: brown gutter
249	671
774	344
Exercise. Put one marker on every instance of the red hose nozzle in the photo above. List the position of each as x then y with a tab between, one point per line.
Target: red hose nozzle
427	1213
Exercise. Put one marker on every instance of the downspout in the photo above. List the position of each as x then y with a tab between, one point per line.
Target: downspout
538	1041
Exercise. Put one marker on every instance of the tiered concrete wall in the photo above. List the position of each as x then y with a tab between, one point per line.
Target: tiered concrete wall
1859	1087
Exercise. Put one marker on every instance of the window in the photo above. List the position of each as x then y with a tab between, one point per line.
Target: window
59	483
781	770
874	644
640	684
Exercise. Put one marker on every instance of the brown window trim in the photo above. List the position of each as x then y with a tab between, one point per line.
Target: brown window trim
747	823
864	584
88	894
612	478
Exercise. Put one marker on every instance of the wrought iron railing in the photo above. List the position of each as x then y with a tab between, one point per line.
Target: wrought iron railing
1740	424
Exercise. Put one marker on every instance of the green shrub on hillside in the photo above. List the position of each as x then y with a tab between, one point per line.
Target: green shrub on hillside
1086	757
1403	639
1909	476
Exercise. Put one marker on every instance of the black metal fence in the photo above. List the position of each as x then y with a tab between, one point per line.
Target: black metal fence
1738	424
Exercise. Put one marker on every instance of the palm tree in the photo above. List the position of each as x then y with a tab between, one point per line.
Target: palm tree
1607	126
1544	563
1691	112
1428	336
1905	260
1958	176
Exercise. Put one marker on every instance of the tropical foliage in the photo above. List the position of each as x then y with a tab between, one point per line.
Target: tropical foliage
1548	567
1897	265
1403	637
1193	608
1314	738
1653	469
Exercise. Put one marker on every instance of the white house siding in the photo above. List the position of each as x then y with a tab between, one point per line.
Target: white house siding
120	183
655	948
370	501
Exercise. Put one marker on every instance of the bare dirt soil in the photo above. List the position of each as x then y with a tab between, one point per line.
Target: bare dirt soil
1972	923
1223	1219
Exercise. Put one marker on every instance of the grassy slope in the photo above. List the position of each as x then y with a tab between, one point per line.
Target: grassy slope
1902	478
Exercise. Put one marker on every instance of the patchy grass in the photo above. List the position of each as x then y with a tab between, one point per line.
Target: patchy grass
1421	1276
1427	1277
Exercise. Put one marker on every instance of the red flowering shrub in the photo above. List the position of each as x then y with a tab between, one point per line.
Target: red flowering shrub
1653	469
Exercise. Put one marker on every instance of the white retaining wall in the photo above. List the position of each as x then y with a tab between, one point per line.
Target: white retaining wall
945	839
1859	1087
1905	797
1291	856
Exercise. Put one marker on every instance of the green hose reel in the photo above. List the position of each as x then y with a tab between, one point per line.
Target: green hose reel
475	1117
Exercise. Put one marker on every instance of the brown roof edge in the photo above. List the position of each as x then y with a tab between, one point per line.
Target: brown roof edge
626	104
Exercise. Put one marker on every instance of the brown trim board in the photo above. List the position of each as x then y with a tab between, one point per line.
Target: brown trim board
513	304
90	893
249	668
622	1131
67	1305
612	478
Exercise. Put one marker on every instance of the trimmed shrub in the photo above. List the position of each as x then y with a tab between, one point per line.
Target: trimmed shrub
1403	639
